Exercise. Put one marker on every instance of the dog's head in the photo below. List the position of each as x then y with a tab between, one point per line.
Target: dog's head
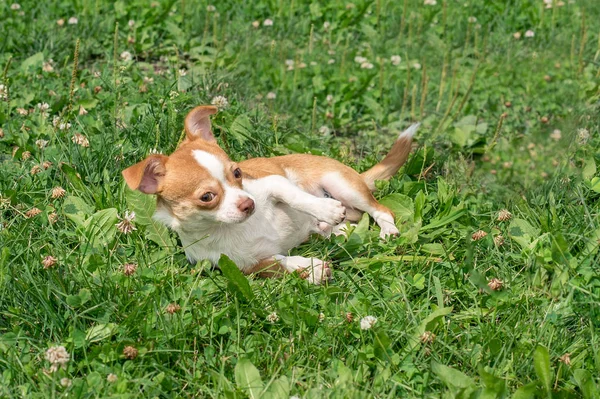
198	183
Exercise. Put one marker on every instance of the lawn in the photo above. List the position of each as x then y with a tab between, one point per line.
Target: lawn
491	290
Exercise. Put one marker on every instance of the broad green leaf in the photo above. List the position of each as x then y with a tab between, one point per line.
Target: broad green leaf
589	168
278	389
526	391
595	184
541	364
426	325
586	384
248	378
241	128
419	281
78	338
433	317
157	232
100	228
382	343
358	235
73	177
402	206
420	200
238	283
79	299
142	204
495	387
35	61
99	332
76	206
452	378
463	130
522	232
436	223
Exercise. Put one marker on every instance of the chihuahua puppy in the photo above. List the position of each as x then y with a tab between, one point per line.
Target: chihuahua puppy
255	211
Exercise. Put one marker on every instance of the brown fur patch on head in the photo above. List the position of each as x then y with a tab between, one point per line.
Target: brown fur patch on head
186	181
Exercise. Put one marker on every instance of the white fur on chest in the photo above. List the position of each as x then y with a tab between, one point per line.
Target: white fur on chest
273	229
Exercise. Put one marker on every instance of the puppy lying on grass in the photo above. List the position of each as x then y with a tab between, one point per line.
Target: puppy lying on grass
255	211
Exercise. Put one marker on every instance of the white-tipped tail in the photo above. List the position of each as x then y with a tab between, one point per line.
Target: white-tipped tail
410	132
393	160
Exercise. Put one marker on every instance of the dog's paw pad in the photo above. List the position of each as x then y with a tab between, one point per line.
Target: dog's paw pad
317	274
330	211
388	231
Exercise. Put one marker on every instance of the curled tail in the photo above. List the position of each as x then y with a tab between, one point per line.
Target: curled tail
393	160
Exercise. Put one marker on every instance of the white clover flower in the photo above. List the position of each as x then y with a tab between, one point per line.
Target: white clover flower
131	23
329	98
148	79
58	357
72	21
126	56
416	65
268	22
47	67
79	139
3	92
326	26
112	378
41	143
583	135
220	102
324	130
360	60
396	59
65	382
271	96
64	126
472	20
430	2
272	317
289	64
255	24
126	226
556	135
211	8
366	65
60	22
321	317
15	6
331	61
367	322
182	72
517	35
529	33
43	106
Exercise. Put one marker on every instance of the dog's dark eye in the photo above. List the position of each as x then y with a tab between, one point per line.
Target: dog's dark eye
207	197
237	173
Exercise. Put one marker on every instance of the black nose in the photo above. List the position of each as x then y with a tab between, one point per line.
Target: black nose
246	206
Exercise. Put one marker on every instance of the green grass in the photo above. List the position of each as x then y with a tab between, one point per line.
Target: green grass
488	103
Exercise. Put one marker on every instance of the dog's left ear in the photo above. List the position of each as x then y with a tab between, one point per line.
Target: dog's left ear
197	123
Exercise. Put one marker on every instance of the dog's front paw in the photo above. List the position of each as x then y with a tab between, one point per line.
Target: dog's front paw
317	273
329	211
388	231
314	270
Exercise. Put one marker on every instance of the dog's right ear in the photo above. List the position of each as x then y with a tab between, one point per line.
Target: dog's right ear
197	123
147	175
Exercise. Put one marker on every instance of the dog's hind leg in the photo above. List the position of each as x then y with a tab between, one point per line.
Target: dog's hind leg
355	195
